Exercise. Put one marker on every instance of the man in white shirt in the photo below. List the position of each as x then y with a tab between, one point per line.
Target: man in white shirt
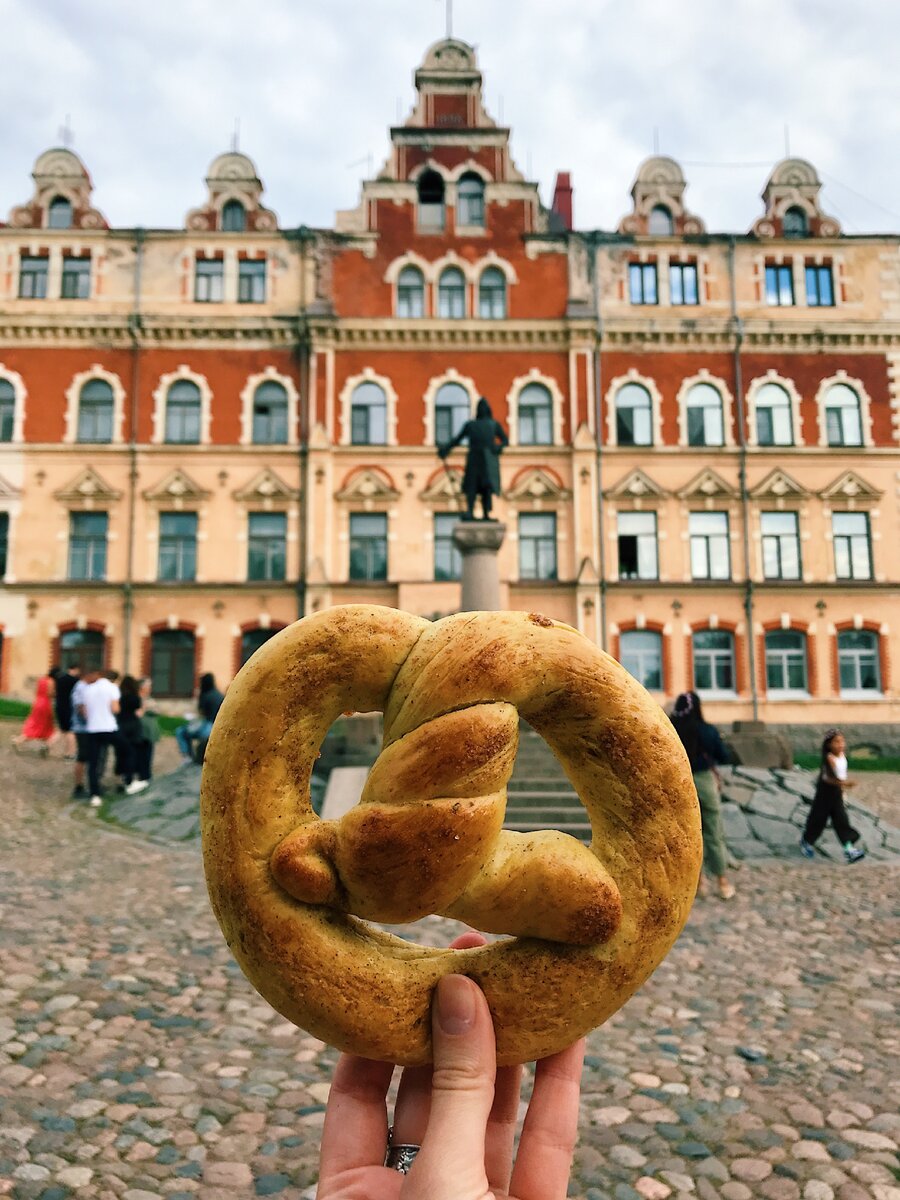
99	705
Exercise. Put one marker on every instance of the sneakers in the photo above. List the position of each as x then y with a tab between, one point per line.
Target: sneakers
854	854
96	801
806	849
137	785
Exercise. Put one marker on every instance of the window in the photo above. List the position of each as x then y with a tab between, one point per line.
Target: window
76	278
634	416
183	410
267	554
796	223
368	415
270	415
780	545
209	280
537	546
4	542
368	546
172	670
660	222
452	294
252	639
251	281
642	283
452	408
234	217
780	286
535	415
713	660
32	277
96	407
59	213
774	422
852	545
843	420
411	293
705	421
177	547
447	559
431	203
858	665
87	545
683	287
819	286
82	648
7	410
492	295
470	201
710	557
640	653
637	545
786	669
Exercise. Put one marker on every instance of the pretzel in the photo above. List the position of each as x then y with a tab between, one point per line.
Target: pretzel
293	893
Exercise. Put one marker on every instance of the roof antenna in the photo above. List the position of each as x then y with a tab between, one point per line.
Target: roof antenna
656	139
236	136
787	141
449	19
66	135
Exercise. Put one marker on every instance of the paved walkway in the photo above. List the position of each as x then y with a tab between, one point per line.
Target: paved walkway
136	1062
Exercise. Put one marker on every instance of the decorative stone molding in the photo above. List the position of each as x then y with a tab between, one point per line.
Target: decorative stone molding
796	417
232	176
266	490
160	395
537	483
851	489
409	259
444	485
345	404
73	398
660	182
636	485
557	403
59	172
703	376
87	490
269	375
708	485
451	259
865	407
794	183
367	485
779	486
176	489
634	376
20	393
434	386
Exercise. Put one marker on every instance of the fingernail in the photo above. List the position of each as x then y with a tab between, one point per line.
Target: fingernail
455	1004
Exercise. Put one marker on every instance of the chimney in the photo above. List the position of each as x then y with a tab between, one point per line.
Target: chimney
562	199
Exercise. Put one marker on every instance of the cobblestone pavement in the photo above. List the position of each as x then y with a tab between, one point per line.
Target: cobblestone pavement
136	1062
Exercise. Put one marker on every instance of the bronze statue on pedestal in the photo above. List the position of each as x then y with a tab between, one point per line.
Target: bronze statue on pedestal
486	438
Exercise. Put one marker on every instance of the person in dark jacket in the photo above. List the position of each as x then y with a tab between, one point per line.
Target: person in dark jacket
705	750
486	438
62	703
828	802
209	701
131	734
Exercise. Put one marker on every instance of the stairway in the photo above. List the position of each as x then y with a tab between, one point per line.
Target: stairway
539	795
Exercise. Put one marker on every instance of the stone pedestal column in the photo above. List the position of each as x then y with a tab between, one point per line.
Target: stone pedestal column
478	542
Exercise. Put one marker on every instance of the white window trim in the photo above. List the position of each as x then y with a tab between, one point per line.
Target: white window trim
392	276
704	376
796	418
787	694
20	395
345	404
73	394
865	408
557	404
269	375
470	270
634	376
160	393
434	386
493	259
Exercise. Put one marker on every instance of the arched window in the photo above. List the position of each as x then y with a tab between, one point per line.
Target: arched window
82	648
368	415
183	409
270	414
858	664
7	410
705	423
172	663
634	416
411	293
640	653
796	223
713	660
59	214
786	669
535	416
234	217
470	201
843	419
431	202
774	424
452	408
492	294
95	412
660	221
252	639
452	294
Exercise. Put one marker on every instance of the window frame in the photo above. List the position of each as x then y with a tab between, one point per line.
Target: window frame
704	386
178	658
624	390
29	271
707	540
411	296
363	411
626	651
779	539
252	272
542	547
77	268
783	658
445	550
8	401
678	295
475	201
456	411
770	411
779	285
431	215
211	272
855	654
226	224
4	543
642	540
88	652
180	544
816	273
92	545
539	417
639	275
273	416
489	307
178	406
714	658
92	407
271	545
841	409
374	546
248	635
57	204
853	540
449	296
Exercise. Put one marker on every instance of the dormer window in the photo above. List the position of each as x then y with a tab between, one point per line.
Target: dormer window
59	213
660	223
796	223
431	203
234	217
470	201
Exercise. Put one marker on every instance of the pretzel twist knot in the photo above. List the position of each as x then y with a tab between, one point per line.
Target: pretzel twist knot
293	892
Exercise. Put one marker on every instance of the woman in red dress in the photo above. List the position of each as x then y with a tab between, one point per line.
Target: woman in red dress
38	725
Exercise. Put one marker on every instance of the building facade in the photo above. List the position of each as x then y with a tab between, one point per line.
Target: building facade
207	432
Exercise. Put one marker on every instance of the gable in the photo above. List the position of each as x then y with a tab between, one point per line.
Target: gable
635	486
177	486
536	484
779	486
368	484
87	488
705	486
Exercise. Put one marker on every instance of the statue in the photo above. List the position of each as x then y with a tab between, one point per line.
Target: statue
487	438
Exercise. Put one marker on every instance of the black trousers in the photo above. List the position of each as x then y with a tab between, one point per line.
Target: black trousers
145	760
97	744
828	804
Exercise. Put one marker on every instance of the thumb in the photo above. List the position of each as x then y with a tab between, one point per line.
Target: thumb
451	1162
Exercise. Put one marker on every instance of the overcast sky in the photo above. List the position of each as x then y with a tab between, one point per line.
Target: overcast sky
153	90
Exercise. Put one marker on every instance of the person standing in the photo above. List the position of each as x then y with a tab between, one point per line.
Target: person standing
209	701
101	705
705	750
38	725
131	734
150	726
828	802
79	733
486	438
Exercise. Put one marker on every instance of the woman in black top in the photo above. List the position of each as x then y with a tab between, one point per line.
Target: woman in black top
131	733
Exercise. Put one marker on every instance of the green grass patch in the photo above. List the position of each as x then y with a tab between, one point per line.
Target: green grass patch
862	762
14	710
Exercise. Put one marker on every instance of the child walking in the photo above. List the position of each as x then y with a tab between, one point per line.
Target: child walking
828	802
